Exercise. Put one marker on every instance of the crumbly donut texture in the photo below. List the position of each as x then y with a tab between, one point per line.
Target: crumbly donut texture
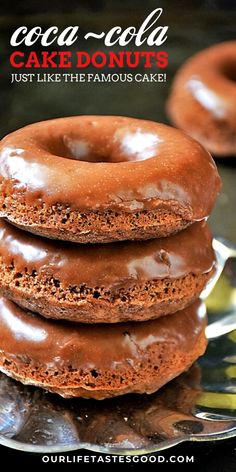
62	223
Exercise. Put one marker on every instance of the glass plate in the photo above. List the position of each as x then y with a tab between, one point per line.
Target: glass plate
200	405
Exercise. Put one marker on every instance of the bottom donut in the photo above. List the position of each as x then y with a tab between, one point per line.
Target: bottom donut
99	361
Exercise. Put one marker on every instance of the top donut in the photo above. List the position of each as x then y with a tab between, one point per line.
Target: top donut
104	178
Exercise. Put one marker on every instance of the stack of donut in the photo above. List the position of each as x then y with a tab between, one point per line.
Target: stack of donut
104	252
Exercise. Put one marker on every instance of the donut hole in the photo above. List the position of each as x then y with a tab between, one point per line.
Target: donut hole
123	146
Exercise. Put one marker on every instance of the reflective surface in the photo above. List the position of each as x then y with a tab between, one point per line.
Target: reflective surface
200	405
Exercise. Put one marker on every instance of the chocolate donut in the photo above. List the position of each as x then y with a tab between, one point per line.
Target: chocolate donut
203	98
108	360
101	179
105	283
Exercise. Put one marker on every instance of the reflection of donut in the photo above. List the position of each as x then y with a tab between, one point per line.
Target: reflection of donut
203	98
99	179
109	360
108	282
